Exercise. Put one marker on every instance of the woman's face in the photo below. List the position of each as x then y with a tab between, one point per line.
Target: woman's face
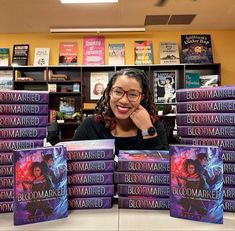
191	169
123	107
99	89
37	171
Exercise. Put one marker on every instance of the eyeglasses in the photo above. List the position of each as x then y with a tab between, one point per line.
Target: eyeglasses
132	95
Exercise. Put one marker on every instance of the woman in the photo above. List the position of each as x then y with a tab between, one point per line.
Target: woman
126	112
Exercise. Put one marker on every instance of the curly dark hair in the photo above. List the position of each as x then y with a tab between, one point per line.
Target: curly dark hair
189	162
103	110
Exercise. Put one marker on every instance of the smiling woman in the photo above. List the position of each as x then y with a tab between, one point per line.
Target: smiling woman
126	112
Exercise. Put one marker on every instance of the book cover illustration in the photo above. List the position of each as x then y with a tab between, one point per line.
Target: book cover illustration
20	55
209	80
68	53
40	187
4	56
192	80
117	54
143	52
93	50
169	53
41	57
67	106
164	86
196	183
196	48
6	79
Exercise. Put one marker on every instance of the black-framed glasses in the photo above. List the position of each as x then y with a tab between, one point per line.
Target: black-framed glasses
132	95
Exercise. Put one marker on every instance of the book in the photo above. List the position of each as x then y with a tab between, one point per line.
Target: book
164	86
192	80
229	193
76	87
6	170
6	182
93	50
229	179
229	205
209	80
169	53
6	158
228	156
4	56
67	106
6	79
20	55
143	52
196	48
117	54
68	53
143	203
196	183
52	87
41	57
6	206
6	194
40	187
143	161
229	168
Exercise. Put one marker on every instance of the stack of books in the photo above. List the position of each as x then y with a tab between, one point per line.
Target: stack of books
23	122
142	179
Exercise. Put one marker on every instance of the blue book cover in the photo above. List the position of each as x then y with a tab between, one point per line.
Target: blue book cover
40	185
196	183
192	80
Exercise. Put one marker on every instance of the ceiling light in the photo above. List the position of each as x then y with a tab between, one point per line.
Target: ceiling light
88	1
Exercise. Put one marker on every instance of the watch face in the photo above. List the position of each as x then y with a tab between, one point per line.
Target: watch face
151	131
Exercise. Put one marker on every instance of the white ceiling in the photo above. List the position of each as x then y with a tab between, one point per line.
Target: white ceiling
23	16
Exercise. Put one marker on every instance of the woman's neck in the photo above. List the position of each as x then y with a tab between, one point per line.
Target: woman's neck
124	128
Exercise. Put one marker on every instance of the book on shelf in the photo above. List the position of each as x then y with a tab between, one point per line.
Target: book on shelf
143	52
41	57
117	54
56	77
164	86
169	53
76	87
196	48
209	80
196	183
20	55
192	80
4	56
89	106
52	87
40	186
68	53
67	106
6	79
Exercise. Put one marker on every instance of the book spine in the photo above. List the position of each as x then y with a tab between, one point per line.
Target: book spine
206	131
6	206
224	143
226	119
91	166
6	170
143	166
143	190
23	133
208	93
23	121
229	205
6	194
6	158
6	182
24	97
141	178
228	156
229	168
229	193
90	179
91	191
229	180
143	203
24	109
98	154
9	145
90	203
206	106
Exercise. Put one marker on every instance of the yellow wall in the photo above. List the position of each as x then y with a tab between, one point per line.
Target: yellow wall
222	43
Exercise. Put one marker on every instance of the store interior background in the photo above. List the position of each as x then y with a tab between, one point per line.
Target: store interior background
29	22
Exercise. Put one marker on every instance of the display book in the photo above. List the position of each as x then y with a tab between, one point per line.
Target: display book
196	183
40	185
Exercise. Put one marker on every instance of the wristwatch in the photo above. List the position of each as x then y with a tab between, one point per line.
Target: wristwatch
150	132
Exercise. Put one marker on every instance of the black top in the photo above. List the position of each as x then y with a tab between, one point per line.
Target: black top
92	130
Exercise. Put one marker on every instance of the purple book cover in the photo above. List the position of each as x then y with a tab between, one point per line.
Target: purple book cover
206	131
9	145
229	168
228	156
227	119
196	183
91	191
229	205
90	203
224	143
23	133
23	121
143	190
6	158
6	206
6	170
206	106
6	182
24	109
19	96
229	179
6	194
90	178
91	166
143	203
205	93
143	161
40	187
229	193
141	178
